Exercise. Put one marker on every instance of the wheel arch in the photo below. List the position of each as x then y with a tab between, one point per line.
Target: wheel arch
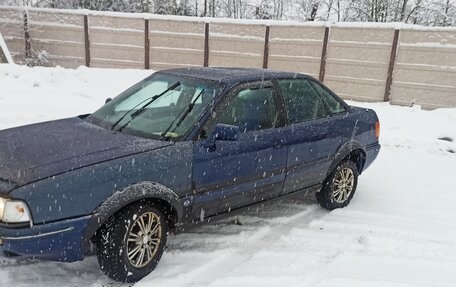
351	150
143	191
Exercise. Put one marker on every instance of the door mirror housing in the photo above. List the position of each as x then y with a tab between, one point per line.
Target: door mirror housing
222	132
108	100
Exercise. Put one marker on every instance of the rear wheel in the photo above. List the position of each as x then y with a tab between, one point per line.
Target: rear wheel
340	186
132	242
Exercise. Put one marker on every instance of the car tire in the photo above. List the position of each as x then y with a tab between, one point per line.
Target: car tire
339	187
132	242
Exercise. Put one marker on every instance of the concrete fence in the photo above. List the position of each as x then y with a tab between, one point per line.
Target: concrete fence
405	65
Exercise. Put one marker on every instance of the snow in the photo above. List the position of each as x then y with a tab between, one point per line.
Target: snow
399	230
30	95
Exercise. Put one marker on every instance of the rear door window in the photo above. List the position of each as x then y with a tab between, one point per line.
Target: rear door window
301	100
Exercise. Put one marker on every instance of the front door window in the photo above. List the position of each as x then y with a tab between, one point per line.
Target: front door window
251	109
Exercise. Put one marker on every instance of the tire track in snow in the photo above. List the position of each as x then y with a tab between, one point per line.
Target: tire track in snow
267	224
233	257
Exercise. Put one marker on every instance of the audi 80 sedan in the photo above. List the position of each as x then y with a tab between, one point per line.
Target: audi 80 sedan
178	148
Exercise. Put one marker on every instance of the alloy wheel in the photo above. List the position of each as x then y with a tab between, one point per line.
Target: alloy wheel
144	239
343	185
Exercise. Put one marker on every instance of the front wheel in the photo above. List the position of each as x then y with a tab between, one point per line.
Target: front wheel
340	186
132	242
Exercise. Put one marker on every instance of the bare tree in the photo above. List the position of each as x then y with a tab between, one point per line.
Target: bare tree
423	12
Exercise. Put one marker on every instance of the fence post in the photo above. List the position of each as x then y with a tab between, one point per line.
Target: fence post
206	45
266	47
86	40
389	76
146	45
27	39
324	50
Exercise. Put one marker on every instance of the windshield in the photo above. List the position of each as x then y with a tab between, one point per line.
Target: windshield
159	114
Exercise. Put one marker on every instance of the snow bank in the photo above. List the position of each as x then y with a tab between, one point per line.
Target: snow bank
30	95
399	230
413	128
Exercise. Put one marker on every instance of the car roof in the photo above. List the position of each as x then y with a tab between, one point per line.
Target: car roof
229	75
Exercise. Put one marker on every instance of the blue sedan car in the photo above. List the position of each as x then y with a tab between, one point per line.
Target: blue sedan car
179	148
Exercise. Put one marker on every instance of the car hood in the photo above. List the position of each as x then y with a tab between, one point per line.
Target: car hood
37	151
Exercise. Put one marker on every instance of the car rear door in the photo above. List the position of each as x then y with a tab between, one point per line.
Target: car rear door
310	144
250	169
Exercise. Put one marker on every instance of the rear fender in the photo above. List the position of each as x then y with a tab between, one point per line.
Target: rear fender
343	151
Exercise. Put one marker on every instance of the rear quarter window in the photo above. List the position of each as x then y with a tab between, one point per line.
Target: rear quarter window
333	104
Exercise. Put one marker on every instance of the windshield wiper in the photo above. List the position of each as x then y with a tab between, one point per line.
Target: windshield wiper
188	109
143	108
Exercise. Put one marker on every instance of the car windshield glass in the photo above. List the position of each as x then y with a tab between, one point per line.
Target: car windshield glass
119	114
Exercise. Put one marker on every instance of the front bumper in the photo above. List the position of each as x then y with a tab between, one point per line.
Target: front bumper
58	241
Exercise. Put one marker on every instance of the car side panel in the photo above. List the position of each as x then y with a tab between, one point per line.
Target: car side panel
365	120
309	152
358	133
238	173
315	148
79	192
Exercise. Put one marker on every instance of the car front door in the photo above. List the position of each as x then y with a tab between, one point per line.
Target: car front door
249	169
310	144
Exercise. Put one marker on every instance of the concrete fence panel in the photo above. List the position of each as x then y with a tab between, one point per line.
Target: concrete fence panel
296	49
425	71
11	27
176	44
364	62
58	37
116	42
236	45
357	62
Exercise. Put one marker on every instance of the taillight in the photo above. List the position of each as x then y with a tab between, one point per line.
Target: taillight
377	129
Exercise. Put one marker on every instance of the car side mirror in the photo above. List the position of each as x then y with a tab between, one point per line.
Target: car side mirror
222	132
108	100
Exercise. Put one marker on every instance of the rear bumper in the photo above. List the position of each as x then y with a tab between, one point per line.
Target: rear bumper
58	241
372	152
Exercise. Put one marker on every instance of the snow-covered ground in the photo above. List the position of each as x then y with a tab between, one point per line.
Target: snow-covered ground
399	230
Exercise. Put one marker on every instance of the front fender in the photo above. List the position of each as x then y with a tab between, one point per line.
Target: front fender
132	193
